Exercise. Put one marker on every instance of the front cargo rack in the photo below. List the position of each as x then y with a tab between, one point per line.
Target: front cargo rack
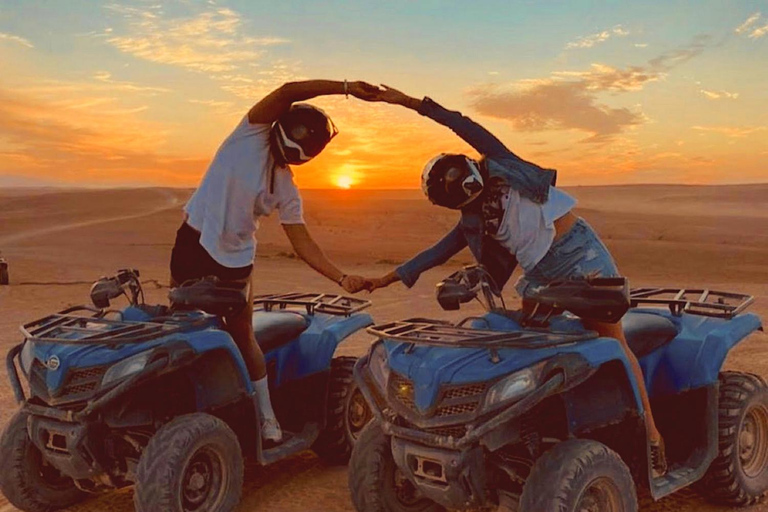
431	332
84	324
328	303
693	301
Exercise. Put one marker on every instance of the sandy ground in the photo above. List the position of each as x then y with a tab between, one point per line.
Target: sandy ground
58	242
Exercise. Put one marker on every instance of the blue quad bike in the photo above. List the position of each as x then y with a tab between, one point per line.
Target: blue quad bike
530	412
160	397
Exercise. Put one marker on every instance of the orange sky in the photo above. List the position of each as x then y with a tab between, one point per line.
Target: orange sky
134	94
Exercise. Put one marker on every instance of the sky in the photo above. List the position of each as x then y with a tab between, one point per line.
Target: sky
142	93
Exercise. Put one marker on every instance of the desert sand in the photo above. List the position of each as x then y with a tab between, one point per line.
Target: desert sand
58	242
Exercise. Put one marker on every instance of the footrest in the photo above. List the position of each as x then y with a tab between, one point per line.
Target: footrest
293	443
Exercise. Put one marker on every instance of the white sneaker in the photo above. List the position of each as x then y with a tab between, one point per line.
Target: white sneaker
270	430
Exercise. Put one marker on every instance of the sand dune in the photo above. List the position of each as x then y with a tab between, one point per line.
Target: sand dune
661	235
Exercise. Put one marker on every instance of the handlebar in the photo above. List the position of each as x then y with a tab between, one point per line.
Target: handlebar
108	288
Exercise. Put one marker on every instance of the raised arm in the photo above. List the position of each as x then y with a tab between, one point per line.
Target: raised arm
473	134
279	101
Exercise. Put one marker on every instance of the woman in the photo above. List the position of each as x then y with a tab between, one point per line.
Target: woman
249	177
512	213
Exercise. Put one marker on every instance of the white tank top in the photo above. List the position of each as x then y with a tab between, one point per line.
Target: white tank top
527	229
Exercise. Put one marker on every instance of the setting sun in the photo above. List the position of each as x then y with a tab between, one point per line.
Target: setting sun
343	181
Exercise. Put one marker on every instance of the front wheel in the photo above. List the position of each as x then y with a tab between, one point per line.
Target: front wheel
579	475
739	474
27	480
192	464
348	413
375	482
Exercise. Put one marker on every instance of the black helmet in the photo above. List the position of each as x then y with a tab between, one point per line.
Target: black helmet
451	180
301	133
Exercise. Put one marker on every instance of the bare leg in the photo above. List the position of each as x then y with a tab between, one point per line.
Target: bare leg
615	331
240	327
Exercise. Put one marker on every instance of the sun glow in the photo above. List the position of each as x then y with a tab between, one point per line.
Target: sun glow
344	181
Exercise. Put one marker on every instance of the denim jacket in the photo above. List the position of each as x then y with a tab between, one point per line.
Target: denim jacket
530	180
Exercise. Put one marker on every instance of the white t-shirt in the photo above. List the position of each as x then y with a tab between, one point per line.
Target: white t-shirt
527	229
234	193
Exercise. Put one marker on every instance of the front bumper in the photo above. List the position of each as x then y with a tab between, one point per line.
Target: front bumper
69	447
454	479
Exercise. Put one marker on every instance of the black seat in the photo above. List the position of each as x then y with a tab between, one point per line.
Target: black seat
276	328
645	332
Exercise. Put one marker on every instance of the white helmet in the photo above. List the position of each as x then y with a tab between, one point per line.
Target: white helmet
452	180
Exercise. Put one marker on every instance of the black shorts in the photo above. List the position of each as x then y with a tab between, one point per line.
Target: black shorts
190	260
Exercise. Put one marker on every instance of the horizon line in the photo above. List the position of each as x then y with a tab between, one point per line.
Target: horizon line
353	189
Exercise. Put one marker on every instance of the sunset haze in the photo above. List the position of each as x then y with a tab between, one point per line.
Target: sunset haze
142	93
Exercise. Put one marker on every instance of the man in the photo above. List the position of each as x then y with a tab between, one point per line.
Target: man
511	213
250	177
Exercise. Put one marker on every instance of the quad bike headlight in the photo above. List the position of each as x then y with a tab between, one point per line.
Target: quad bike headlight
379	366
513	388
27	356
126	367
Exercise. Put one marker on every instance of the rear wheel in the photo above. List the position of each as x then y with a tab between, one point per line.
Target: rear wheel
348	413
579	475
192	464
376	483
27	480
739	474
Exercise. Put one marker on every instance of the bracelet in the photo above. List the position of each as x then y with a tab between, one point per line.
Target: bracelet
346	89
341	279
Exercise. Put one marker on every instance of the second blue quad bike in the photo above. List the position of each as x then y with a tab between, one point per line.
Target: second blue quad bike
160	396
530	412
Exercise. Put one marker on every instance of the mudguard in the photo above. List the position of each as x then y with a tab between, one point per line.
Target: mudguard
695	357
313	350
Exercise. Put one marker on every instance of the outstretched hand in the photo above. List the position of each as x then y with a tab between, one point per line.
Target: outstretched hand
364	91
354	284
374	283
391	95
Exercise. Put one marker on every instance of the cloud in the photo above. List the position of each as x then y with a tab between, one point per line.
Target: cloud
750	29
15	39
759	32
731	131
744	27
595	39
569	100
210	41
719	95
64	133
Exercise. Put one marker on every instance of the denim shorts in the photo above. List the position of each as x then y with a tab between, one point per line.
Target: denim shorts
578	254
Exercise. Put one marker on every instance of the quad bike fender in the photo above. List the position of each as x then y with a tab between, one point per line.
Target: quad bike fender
211	340
315	347
606	355
696	356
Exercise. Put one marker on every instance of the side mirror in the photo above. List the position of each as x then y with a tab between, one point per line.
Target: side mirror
603	299
451	294
104	290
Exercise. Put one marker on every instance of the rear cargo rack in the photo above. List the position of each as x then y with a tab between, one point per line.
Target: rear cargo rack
327	303
428	332
83	324
693	301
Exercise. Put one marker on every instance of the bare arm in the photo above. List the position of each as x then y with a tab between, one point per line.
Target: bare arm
279	101
308	250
